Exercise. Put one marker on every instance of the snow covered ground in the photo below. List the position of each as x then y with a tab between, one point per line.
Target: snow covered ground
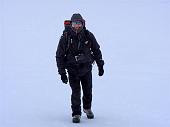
135	39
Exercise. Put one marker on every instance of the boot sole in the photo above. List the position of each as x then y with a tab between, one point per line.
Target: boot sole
90	117
76	121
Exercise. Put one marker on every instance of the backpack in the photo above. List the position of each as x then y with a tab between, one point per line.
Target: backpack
67	26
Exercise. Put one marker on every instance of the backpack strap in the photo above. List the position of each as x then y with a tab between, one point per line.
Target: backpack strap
66	34
67	41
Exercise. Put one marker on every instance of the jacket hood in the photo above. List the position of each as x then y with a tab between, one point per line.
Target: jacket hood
77	16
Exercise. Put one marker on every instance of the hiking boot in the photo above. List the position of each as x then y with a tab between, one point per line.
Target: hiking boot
89	113
76	119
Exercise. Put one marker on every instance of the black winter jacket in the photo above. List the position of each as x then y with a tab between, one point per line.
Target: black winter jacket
77	52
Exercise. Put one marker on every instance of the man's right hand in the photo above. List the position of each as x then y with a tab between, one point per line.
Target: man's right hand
64	78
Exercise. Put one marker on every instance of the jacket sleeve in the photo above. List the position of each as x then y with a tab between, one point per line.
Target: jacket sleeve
60	54
95	47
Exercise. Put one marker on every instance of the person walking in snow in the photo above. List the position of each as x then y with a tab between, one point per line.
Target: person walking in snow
76	52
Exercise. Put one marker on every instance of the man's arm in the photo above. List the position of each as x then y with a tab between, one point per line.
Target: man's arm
95	47
60	54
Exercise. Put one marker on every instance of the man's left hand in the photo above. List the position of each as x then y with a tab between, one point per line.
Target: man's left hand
101	71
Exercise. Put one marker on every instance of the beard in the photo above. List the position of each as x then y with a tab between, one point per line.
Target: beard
77	30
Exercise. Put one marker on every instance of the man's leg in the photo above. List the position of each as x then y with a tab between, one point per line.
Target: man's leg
76	95
87	94
86	82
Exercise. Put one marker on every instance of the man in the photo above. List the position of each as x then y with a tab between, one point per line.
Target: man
77	50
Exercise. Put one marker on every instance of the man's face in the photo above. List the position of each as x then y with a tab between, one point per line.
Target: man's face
77	26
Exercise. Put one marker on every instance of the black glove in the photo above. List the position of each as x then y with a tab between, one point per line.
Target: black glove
101	70
64	78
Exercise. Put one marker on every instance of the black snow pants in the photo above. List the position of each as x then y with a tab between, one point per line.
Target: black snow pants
76	82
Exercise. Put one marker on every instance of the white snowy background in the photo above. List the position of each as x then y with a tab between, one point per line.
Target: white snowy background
135	40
